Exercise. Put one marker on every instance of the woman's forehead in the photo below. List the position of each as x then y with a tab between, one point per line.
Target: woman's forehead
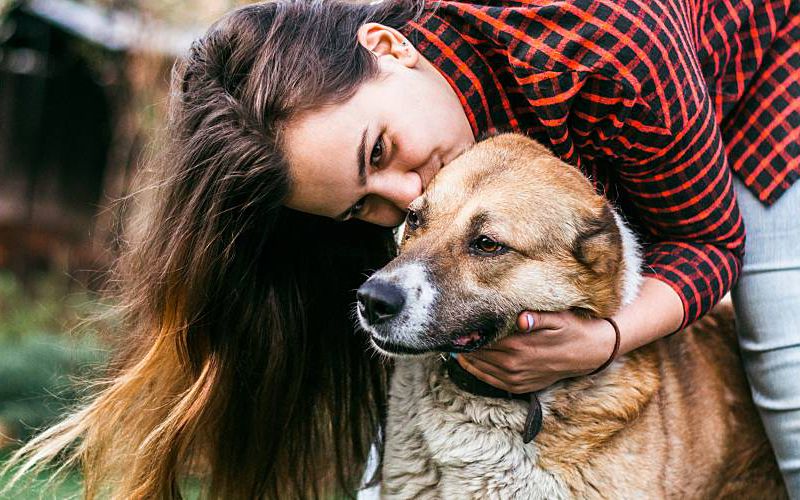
324	136
322	149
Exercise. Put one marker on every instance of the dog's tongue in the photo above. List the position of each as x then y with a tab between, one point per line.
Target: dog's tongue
466	339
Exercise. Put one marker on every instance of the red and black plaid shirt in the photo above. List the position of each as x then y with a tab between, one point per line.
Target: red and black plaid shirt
657	101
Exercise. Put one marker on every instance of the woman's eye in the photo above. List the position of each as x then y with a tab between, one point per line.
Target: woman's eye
485	244
377	152
357	207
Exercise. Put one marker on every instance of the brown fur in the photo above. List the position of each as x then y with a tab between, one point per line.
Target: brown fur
671	420
678	417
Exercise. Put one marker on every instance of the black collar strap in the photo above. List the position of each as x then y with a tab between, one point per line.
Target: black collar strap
469	383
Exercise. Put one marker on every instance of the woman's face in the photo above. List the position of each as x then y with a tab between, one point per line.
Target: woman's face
370	156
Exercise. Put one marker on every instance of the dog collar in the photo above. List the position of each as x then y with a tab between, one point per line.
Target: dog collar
465	381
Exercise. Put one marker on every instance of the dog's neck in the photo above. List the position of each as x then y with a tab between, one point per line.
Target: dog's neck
469	383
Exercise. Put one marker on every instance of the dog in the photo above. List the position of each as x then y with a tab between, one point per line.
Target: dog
508	227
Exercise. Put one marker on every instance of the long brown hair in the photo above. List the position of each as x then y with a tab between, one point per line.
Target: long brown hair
239	361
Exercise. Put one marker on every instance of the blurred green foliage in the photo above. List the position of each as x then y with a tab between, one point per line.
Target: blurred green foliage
37	487
44	350
5	6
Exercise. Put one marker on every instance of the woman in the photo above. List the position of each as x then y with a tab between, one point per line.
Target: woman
290	117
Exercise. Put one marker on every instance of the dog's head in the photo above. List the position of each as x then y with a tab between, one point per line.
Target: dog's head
505	227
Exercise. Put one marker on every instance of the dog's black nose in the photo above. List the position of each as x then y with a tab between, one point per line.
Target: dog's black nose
379	301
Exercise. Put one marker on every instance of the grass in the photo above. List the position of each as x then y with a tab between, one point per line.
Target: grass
42	354
36	487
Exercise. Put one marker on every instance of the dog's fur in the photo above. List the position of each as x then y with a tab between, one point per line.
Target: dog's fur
672	419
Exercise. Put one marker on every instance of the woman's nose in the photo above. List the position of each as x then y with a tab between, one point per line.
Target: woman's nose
399	187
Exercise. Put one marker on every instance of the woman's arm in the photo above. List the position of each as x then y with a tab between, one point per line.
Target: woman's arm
652	125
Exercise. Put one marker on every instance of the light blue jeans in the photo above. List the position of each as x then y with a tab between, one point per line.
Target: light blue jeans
767	301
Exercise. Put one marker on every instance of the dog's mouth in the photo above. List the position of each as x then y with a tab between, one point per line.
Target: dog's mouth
472	340
467	340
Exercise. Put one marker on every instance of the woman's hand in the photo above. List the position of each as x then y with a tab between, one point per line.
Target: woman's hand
550	347
561	345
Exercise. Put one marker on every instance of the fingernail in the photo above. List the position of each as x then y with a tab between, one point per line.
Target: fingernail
529	320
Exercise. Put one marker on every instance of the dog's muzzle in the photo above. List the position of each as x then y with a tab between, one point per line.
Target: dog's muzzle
396	307
399	310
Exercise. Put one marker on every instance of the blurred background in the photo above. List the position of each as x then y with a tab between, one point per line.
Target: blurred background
83	89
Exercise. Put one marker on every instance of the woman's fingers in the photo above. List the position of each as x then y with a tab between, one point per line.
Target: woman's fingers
482	371
512	367
532	321
517	384
511	344
498	359
526	321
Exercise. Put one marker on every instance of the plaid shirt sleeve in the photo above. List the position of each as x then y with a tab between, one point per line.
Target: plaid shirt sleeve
684	197
642	109
620	88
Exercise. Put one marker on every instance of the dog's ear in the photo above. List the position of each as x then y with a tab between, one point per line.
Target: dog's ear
599	243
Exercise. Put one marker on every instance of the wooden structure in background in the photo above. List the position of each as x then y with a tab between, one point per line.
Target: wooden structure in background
82	88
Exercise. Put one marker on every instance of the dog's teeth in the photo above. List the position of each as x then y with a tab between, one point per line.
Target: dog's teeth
467	339
463	340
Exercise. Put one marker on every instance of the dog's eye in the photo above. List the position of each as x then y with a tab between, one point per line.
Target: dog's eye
486	245
412	220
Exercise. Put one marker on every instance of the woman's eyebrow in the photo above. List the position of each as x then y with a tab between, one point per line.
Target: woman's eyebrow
362	166
362	170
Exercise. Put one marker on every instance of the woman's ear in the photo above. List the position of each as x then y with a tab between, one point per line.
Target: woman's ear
385	41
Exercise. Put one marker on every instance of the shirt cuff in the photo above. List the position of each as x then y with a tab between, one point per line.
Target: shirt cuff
701	274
